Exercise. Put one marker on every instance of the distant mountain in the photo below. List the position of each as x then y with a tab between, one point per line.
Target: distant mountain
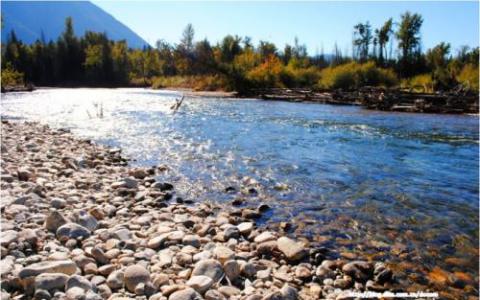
31	19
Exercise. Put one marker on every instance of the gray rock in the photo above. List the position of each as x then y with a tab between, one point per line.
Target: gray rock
135	275
191	240
72	231
231	232
54	221
99	255
25	174
41	295
77	281
223	254
359	270
208	267
87	220
231	269
123	234
292	250
214	295
245	228
75	293
115	279
6	265
8	237
58	203
50	281
200	283
59	266
186	294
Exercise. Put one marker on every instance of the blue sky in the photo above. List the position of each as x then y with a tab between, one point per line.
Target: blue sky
316	24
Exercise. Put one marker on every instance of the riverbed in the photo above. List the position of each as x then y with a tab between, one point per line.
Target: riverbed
386	186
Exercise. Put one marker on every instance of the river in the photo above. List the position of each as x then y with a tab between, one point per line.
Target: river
396	186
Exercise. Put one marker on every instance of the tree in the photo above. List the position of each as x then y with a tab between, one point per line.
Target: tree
362	39
204	59
167	59
287	53
299	51
70	54
229	48
187	38
437	61
120	62
383	36
408	36
266	50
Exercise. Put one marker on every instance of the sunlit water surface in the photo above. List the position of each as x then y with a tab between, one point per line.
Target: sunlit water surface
385	185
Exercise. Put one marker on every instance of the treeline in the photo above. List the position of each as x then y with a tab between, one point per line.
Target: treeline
235	63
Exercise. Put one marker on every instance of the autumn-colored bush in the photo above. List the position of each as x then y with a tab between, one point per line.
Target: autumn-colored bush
355	75
469	77
198	83
267	74
422	83
299	74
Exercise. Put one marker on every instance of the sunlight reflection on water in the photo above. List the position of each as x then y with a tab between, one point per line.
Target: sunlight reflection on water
341	165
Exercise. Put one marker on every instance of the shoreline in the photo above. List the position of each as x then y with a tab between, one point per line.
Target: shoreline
377	99
76	219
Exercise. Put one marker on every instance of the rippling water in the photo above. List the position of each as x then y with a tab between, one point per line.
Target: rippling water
391	185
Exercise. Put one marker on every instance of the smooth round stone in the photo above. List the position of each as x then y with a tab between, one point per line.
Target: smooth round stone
231	269
288	292
115	279
72	231
229	291
208	267
185	294
58	203
50	281
176	235
214	295
77	281
291	249
200	283
223	254
60	266
264	237
191	240
135	275
245	228
54	220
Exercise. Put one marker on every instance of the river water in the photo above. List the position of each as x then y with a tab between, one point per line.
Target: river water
396	186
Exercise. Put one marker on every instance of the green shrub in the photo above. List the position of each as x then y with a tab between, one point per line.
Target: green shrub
11	77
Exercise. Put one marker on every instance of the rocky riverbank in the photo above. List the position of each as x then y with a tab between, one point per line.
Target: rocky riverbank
452	102
79	223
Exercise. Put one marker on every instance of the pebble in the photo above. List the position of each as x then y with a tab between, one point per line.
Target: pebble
210	268
72	231
185	294
60	266
292	250
200	283
135	275
78	223
50	281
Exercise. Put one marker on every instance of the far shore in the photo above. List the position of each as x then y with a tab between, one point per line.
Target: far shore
374	98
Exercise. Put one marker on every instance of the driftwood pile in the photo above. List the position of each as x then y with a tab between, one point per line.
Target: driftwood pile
456	102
